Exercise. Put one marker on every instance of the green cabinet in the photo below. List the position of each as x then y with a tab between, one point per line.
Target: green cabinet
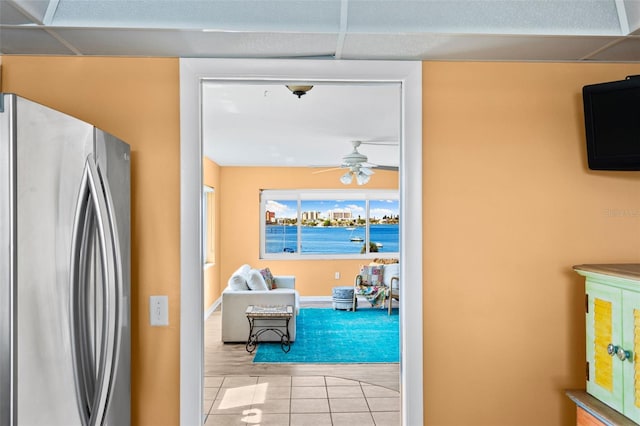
613	340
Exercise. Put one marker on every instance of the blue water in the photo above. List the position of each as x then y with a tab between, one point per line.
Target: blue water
330	240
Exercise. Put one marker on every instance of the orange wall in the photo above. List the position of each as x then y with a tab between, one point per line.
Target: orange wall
509	207
212	287
240	223
137	100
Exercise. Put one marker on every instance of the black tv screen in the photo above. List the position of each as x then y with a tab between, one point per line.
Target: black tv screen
612	123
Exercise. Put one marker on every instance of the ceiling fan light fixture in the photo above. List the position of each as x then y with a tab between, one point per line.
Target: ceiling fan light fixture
362	178
367	171
299	89
346	178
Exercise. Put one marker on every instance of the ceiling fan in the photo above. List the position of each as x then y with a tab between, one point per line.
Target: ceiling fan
358	165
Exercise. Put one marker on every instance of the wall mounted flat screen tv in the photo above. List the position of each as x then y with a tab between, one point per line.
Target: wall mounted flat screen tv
612	124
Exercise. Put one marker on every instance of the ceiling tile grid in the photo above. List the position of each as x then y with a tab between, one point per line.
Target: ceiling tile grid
533	30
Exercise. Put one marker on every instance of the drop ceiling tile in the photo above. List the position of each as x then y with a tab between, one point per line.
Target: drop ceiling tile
550	17
108	41
470	47
246	15
30	41
628	50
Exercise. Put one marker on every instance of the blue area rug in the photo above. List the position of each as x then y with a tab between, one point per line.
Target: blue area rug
327	336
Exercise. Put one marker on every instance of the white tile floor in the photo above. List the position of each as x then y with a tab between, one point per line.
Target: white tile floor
240	392
298	401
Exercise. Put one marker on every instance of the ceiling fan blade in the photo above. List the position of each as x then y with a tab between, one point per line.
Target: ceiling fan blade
326	170
380	166
392	168
390	142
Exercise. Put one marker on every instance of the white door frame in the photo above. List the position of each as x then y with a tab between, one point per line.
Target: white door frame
192	73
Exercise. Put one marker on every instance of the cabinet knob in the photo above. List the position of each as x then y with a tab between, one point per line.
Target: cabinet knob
612	349
622	354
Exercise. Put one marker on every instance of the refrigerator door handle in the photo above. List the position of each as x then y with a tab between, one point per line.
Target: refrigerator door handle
93	372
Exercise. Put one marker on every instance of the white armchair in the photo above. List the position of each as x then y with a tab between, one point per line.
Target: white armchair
377	292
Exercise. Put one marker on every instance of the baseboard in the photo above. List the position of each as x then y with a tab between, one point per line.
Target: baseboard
312	299
213	307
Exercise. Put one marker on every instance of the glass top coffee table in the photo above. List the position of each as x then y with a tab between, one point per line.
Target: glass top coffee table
269	318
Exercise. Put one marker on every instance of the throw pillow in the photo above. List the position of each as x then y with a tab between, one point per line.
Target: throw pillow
238	280
255	281
268	278
237	283
372	274
391	270
243	270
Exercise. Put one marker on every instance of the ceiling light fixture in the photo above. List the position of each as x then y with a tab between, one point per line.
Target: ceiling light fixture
299	89
363	175
362	178
346	178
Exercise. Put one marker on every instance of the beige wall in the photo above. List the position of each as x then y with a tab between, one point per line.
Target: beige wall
509	207
240	223
137	100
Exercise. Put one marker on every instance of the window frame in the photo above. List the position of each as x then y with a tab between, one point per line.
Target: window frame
300	195
208	226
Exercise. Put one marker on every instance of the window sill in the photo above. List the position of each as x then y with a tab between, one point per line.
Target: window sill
295	256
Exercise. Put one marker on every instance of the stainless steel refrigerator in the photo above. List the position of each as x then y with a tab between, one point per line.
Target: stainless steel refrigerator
64	270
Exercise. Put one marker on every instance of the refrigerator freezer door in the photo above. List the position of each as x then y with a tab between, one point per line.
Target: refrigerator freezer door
51	152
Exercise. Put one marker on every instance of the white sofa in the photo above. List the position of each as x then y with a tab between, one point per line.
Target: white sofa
235	326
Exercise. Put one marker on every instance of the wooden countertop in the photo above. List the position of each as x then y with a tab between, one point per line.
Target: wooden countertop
599	410
622	270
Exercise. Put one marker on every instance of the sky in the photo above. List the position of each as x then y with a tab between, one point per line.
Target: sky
377	208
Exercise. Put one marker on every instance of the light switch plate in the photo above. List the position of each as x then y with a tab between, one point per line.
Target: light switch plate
159	310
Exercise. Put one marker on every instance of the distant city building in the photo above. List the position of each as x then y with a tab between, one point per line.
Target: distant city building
270	217
309	216
340	215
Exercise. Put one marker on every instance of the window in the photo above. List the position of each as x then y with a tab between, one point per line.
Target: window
336	224
208	224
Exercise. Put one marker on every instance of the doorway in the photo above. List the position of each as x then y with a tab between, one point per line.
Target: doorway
193	72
